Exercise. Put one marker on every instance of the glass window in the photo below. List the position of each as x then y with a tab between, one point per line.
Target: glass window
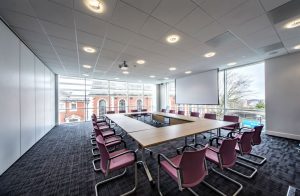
79	98
122	106
135	96
71	99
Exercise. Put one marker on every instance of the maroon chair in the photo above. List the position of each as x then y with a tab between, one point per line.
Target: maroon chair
210	116
230	118
172	111
195	114
110	112
134	110
110	142
256	140
224	157
163	110
122	111
107	133
243	147
114	161
188	169
181	112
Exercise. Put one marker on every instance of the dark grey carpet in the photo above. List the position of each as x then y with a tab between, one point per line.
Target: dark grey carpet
60	164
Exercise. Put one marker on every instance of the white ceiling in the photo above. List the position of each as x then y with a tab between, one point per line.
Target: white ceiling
56	30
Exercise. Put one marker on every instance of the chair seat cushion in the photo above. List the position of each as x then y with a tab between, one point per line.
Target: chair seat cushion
112	141
108	133
169	169
121	161
211	155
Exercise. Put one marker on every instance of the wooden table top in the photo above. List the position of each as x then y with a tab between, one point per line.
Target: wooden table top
128	124
147	135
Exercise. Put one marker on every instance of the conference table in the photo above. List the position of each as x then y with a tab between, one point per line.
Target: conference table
146	136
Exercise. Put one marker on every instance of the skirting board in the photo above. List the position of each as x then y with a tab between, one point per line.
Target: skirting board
282	134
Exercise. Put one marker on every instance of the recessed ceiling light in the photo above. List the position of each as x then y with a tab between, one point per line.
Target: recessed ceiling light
152	76
97	6
141	62
297	47
188	72
172	68
117	78
293	24
86	75
89	49
125	72
231	64
173	38
210	54
87	66
166	78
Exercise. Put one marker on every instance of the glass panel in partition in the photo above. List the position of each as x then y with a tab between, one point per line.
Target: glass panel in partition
149	95
118	94
71	100
135	96
97	96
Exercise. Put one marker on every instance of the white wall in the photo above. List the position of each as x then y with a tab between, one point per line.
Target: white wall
27	98
283	96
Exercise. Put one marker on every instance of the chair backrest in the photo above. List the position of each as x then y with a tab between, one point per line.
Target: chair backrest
97	130
110	112
231	118
143	110
256	139
122	111
193	167
210	116
163	110
180	112
228	153
104	154
134	110
195	114
94	116
245	142
172	111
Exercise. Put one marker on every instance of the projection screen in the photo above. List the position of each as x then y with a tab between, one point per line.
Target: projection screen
199	89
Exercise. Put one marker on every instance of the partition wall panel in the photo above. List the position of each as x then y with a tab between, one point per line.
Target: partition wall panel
26	107
39	99
27	98
9	99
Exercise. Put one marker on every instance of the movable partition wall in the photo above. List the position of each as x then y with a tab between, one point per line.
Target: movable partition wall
27	98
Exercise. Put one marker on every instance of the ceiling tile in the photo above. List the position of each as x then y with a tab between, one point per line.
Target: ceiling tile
21	21
87	39
23	6
154	29
63	43
217	8
59	31
119	34
271	4
90	24
145	5
128	17
172	11
30	36
251	26
194	22
261	38
209	32
45	9
243	13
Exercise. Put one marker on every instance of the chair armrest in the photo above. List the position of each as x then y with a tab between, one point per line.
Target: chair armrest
168	160
113	141
126	152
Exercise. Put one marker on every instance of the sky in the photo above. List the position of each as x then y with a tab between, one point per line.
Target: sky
256	73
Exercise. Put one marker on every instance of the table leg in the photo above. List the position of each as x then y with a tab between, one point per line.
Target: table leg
143	162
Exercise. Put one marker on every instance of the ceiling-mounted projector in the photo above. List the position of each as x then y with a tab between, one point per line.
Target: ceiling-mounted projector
123	66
